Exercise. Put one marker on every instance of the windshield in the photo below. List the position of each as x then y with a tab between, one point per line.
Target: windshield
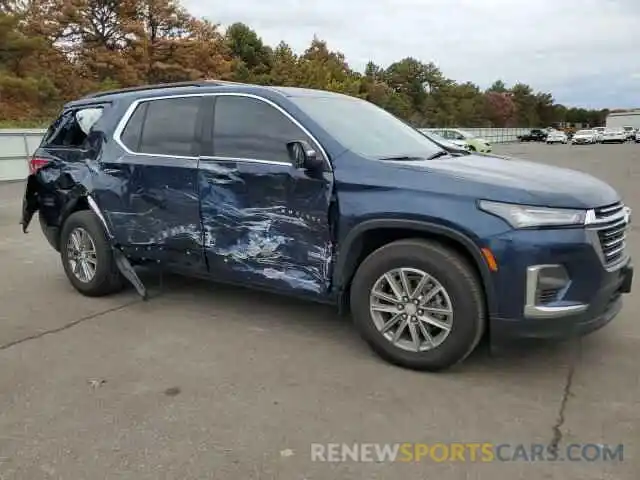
585	132
365	128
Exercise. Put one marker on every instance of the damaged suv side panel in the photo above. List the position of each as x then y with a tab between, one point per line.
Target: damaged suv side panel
175	186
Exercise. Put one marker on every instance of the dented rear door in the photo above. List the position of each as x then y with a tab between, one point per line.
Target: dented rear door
154	206
265	222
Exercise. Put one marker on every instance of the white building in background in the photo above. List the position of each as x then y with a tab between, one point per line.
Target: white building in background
627	118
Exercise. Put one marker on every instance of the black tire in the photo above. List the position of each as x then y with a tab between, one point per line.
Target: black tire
454	274
107	278
472	148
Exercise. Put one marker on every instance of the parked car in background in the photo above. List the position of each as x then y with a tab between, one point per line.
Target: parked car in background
451	145
583	137
535	135
614	135
329	198
476	144
599	133
637	136
556	136
630	131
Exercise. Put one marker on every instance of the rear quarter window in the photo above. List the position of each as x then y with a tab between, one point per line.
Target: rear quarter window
72	127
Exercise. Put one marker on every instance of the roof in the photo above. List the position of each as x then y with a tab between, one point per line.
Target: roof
193	87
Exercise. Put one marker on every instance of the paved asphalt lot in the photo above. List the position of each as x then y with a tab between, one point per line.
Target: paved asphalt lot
206	381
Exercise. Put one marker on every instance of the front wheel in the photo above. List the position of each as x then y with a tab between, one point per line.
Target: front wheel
87	257
418	304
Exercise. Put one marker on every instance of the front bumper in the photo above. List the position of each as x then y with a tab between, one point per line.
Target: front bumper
529	305
562	322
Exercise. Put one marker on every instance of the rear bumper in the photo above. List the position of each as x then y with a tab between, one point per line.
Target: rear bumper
571	321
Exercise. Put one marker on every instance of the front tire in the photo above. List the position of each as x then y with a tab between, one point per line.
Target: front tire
418	305
87	257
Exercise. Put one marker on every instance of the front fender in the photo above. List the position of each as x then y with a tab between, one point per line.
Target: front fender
350	247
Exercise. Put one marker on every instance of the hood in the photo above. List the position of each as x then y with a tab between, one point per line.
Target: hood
519	181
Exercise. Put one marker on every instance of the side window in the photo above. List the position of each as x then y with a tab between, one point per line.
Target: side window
164	127
72	127
132	133
249	128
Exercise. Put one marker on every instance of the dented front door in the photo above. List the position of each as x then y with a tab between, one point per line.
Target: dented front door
265	222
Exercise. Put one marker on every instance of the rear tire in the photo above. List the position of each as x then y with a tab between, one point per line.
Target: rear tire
458	291
87	257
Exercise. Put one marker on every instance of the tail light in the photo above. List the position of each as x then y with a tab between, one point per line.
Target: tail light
36	163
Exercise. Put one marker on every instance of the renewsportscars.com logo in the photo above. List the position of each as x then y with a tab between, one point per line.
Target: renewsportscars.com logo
464	452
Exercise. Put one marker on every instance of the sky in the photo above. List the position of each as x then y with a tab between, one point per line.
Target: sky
586	53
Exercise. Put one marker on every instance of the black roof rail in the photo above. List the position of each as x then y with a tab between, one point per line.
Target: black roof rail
142	88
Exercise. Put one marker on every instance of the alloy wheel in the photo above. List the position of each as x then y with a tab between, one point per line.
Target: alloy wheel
81	255
411	309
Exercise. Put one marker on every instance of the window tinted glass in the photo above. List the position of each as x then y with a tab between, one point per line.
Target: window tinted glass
169	127
249	128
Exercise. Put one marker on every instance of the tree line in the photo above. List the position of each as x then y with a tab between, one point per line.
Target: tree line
52	51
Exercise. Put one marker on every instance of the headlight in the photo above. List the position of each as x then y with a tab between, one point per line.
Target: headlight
525	216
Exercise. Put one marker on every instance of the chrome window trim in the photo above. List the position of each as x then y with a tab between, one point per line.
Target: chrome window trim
247	160
134	105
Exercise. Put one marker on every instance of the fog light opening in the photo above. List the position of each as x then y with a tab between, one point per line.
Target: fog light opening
552	282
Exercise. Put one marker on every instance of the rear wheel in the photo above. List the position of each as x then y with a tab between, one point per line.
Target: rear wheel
87	257
418	305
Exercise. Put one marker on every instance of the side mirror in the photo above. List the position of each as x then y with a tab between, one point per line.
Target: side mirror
303	156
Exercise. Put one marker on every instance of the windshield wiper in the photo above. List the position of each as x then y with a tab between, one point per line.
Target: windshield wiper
441	153
401	158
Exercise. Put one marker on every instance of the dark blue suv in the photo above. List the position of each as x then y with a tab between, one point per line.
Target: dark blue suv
330	198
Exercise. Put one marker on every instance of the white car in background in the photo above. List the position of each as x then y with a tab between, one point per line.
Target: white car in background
630	131
599	133
476	144
556	136
445	141
614	135
585	137
637	136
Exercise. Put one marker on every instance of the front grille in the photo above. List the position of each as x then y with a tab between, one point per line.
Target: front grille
609	210
547	295
612	232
